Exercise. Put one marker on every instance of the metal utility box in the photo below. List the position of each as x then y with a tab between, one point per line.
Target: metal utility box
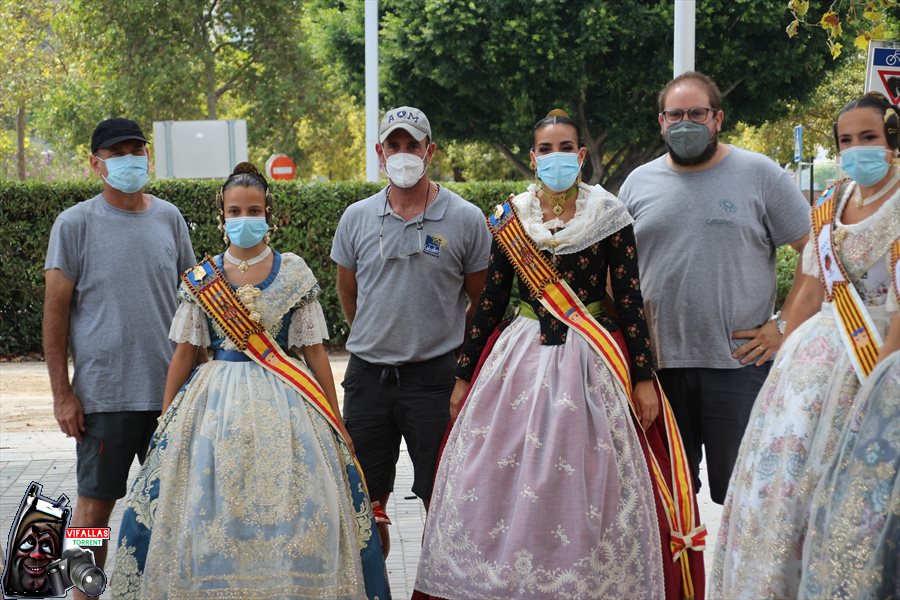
198	149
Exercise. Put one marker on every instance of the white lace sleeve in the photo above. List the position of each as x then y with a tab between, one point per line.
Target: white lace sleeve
810	260
308	325
189	325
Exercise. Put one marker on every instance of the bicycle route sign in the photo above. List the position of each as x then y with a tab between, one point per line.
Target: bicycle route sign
883	69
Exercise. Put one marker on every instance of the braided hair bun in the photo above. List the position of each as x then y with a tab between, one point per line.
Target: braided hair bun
557	112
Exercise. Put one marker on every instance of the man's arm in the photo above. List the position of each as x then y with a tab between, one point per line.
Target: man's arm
790	312
346	287
57	299
473	283
766	339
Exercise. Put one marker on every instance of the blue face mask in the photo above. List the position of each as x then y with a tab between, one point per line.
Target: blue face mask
558	170
865	164
127	173
246	232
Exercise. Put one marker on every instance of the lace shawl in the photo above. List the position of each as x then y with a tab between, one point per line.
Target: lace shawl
598	214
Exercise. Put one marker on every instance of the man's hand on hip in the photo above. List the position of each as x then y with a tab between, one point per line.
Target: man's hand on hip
764	342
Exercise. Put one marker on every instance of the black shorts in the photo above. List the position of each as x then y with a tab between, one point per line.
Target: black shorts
383	403
109	444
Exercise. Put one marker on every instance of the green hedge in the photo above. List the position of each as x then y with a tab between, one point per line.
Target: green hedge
307	216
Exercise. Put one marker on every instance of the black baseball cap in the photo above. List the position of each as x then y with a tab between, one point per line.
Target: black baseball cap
112	131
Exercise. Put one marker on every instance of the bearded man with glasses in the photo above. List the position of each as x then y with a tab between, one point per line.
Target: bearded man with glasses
408	259
708	220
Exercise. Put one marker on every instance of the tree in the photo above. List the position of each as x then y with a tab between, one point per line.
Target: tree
775	137
486	71
866	19
185	59
30	62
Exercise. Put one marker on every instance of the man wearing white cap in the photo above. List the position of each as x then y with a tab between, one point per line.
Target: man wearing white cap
408	258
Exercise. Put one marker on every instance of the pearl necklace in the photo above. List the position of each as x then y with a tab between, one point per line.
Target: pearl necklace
243	265
860	201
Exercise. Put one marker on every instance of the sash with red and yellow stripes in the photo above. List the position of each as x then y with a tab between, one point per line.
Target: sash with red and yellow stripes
555	294
858	332
211	291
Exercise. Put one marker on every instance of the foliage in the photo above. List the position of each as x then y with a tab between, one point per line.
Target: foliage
775	137
785	264
31	64
307	217
334	148
486	71
867	19
170	60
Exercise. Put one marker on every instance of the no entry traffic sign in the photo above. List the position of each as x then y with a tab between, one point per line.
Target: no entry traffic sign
280	166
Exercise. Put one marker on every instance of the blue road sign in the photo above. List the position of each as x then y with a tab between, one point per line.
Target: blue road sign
798	143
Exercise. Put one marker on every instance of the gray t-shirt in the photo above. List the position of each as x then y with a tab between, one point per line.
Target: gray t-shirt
706	251
410	309
125	266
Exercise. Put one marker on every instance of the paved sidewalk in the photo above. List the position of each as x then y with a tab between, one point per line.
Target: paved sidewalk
49	458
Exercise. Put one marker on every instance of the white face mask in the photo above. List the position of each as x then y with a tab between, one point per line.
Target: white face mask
404	169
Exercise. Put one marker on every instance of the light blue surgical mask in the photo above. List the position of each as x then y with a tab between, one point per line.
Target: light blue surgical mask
127	173
246	232
558	170
867	165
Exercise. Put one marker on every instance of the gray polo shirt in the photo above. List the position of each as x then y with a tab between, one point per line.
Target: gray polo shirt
706	245
125	266
410	309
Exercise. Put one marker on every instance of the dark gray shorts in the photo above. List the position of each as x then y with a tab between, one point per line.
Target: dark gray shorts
111	440
383	403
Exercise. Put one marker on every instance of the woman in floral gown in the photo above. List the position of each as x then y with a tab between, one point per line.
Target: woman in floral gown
543	490
248	491
803	407
852	549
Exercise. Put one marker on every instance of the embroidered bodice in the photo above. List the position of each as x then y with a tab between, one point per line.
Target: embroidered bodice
285	303
599	237
863	249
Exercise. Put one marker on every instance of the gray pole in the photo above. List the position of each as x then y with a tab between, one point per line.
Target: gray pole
372	169
685	17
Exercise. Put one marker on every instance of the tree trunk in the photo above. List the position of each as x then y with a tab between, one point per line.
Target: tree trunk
201	34
518	164
211	96
20	141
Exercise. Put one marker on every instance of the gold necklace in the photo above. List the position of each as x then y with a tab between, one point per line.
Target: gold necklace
558	199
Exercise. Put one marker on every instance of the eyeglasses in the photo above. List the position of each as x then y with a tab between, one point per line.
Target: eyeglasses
697	115
419	227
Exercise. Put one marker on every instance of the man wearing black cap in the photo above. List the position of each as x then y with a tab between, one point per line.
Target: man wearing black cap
111	276
408	259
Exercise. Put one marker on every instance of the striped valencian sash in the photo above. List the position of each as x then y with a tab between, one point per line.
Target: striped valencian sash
212	292
858	331
554	293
